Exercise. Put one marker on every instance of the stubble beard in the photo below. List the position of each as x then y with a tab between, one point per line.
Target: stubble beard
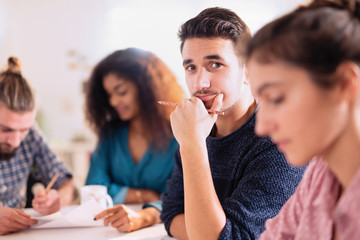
6	156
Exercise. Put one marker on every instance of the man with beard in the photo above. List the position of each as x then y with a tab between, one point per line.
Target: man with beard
23	147
227	181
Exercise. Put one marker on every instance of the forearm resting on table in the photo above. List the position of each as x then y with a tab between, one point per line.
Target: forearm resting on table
67	192
178	228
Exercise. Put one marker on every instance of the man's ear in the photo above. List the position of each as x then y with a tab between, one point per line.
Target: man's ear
245	75
349	74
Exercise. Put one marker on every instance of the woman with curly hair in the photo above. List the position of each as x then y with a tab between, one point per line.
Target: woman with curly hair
134	155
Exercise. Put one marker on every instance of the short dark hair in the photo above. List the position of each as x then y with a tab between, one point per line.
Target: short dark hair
217	22
15	92
317	38
154	81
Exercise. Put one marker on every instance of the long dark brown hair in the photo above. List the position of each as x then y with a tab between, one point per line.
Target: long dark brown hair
153	80
318	38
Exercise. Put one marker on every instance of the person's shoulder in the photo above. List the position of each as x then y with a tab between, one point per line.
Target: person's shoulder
253	145
264	146
35	134
265	155
34	140
317	170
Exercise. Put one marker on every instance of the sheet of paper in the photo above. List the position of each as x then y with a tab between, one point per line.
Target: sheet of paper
81	216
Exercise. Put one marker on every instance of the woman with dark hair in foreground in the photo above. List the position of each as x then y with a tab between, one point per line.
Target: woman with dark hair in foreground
304	69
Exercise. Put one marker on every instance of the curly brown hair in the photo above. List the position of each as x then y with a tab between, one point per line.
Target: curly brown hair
154	81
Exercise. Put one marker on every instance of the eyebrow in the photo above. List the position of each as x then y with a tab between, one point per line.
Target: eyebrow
265	86
12	129
118	86
210	57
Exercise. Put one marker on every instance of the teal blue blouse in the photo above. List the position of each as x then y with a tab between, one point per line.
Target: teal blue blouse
111	165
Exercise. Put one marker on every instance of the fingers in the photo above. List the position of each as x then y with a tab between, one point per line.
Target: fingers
39	198
18	225
47	204
125	227
190	103
217	104
21	212
45	210
40	192
23	218
13	220
109	212
105	214
119	215
102	214
5	230
19	221
38	201
48	208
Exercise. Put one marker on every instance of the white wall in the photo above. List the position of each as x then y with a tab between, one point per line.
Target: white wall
51	36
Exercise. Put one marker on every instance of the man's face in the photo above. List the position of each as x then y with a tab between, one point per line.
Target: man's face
14	127
212	67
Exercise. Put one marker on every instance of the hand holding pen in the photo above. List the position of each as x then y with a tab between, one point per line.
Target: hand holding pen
47	201
191	121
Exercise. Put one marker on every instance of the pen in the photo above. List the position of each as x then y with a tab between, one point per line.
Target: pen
175	104
51	183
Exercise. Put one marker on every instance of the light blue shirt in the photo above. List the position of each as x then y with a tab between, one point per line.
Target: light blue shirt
112	165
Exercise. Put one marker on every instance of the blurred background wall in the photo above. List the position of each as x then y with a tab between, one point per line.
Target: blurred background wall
59	41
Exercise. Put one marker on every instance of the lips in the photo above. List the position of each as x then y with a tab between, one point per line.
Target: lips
206	97
282	144
120	110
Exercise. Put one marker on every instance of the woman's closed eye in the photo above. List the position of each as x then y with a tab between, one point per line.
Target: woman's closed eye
277	100
122	93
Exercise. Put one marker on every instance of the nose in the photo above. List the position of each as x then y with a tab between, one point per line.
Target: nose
264	125
201	80
14	139
113	100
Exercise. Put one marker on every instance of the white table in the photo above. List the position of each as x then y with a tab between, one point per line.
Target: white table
154	232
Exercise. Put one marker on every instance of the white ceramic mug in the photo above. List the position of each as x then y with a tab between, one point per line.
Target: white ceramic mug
98	193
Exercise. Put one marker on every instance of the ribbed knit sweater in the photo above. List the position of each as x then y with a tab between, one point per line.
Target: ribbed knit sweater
251	177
